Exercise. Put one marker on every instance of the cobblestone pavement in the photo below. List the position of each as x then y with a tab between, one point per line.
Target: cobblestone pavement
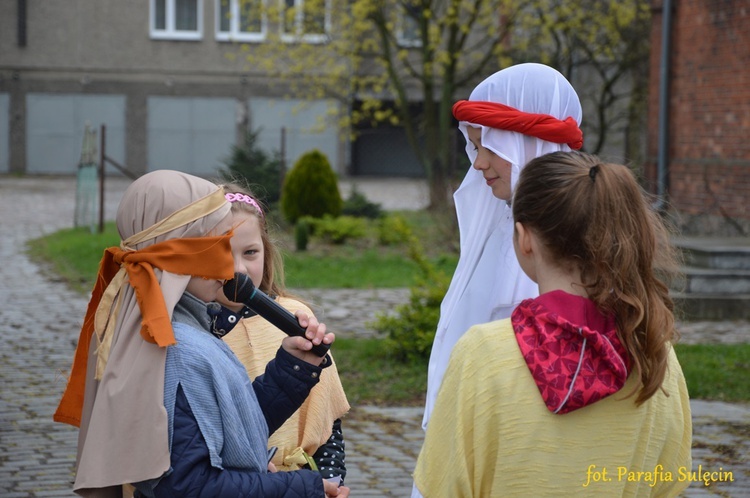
40	319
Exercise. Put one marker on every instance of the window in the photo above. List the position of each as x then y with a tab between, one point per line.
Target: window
305	20
240	20
177	19
407	28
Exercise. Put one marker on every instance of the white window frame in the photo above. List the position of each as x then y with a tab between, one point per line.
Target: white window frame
298	36
234	33
170	32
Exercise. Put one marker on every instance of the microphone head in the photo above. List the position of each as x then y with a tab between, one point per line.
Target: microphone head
239	289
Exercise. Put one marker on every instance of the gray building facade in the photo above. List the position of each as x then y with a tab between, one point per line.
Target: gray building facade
164	76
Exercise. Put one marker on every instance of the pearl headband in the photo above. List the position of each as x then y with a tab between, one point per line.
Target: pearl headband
246	199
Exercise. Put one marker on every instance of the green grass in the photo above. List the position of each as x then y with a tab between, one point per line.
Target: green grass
371	376
368	268
73	254
719	372
716	372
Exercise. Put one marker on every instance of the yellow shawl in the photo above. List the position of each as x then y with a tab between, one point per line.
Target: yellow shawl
491	434
255	342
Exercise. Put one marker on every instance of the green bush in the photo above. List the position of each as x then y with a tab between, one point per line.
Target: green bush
393	229
260	170
301	234
357	204
411	330
339	230
310	189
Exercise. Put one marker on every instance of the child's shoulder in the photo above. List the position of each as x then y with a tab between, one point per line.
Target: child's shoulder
197	347
487	337
294	304
187	334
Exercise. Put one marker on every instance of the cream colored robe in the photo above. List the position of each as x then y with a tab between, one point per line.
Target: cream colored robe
491	434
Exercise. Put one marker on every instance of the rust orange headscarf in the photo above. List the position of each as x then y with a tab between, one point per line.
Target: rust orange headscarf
207	257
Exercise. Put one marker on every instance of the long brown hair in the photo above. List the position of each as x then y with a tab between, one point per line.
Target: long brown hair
596	216
273	266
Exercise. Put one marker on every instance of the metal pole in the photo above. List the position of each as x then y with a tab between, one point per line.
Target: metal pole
282	166
662	170
102	144
22	20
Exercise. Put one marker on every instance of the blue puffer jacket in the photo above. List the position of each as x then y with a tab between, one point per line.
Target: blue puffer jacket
280	391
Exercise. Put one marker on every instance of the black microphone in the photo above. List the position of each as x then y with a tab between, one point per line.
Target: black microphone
240	289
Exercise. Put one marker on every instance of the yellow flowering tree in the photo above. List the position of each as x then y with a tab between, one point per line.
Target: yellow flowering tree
602	46
405	62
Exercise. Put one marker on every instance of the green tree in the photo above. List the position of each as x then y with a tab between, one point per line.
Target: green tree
388	55
260	170
600	45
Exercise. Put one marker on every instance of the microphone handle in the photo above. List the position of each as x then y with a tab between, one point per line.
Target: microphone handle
281	318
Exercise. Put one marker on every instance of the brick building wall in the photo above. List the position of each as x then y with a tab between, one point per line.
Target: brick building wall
709	114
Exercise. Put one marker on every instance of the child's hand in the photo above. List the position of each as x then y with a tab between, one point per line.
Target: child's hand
333	489
315	334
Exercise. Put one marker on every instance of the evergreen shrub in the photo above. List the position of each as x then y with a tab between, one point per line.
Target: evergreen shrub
302	234
260	170
310	189
393	229
357	204
339	230
411	329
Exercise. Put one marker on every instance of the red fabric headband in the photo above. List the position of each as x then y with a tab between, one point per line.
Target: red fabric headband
504	117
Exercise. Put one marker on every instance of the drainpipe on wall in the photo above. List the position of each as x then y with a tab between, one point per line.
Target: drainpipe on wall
21	25
662	175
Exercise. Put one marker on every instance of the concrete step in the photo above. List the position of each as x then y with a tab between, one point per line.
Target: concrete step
713	281
715	284
698	307
715	252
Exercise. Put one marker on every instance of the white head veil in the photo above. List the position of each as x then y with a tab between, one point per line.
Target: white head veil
485	222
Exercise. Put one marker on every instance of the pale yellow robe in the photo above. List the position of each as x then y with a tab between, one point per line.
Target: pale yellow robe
255	342
491	434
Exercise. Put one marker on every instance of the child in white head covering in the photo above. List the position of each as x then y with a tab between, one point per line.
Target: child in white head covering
513	116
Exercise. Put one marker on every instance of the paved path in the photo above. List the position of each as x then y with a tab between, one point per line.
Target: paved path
40	319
